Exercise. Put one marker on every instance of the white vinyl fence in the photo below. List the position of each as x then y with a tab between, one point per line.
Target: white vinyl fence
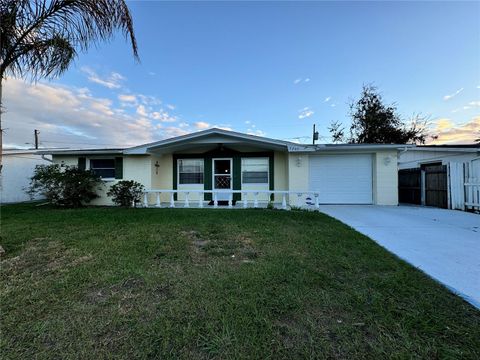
464	189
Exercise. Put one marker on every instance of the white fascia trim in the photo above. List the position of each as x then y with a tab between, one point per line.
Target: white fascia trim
83	152
345	147
460	150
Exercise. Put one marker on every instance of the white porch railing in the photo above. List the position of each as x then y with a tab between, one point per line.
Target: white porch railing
246	201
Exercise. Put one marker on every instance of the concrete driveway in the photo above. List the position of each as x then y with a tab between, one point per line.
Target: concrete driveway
443	243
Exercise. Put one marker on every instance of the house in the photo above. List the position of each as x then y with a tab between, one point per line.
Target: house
18	168
217	166
446	176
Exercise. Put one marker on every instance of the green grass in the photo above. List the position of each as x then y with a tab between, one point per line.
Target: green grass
173	283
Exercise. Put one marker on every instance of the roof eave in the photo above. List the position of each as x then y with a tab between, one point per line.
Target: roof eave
147	148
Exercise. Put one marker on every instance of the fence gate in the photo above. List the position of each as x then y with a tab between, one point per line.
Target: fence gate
436	185
409	186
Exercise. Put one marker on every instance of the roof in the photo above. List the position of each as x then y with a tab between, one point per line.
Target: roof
215	135
460	146
24	151
467	148
204	134
81	151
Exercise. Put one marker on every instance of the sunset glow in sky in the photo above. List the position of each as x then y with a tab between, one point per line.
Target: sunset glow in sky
266	68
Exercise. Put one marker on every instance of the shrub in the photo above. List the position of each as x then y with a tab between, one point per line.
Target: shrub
68	186
126	192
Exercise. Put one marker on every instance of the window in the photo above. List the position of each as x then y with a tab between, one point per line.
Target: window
105	168
190	171
255	170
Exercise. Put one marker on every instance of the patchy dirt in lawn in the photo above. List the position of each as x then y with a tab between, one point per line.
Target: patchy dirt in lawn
236	247
130	294
40	258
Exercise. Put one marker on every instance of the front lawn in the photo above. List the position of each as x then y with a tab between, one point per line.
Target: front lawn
173	283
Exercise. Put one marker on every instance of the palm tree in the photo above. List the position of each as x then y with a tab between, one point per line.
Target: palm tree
40	38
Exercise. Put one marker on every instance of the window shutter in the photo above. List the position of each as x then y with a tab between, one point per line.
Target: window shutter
82	163
118	168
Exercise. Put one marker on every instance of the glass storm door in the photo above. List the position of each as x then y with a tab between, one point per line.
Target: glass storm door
222	177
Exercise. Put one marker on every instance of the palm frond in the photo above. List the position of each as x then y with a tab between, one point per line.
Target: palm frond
40	38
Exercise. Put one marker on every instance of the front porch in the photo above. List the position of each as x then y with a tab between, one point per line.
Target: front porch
278	199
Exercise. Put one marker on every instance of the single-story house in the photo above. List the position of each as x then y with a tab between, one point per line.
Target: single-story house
229	166
18	168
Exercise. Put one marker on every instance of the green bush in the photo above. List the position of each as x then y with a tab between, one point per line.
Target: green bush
126	193
68	186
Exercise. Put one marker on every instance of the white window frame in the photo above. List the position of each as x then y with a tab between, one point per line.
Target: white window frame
89	165
178	171
268	170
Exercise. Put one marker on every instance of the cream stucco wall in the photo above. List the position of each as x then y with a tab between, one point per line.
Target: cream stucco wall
134	168
385	178
298	173
280	172
162	178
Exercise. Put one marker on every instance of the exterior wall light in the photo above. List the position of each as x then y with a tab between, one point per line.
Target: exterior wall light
387	160
157	165
299	161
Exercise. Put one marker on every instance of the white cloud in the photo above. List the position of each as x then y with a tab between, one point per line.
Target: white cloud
327	99
163	116
149	100
112	81
127	98
256	132
449	132
142	111
333	105
247	122
470	105
201	125
301	80
306	112
448	97
72	117
170	106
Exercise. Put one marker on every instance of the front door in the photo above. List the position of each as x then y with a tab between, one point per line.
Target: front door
222	177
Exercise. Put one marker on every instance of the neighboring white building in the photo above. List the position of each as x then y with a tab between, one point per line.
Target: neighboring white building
446	176
18	168
415	157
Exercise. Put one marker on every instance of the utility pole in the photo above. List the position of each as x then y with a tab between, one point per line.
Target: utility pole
315	135
35	134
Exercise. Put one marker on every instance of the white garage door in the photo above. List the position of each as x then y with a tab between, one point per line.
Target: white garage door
342	179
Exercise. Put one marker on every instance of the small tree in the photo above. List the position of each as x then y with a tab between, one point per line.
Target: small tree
374	122
126	192
69	186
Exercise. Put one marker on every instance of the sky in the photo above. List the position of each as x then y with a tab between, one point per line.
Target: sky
266	68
